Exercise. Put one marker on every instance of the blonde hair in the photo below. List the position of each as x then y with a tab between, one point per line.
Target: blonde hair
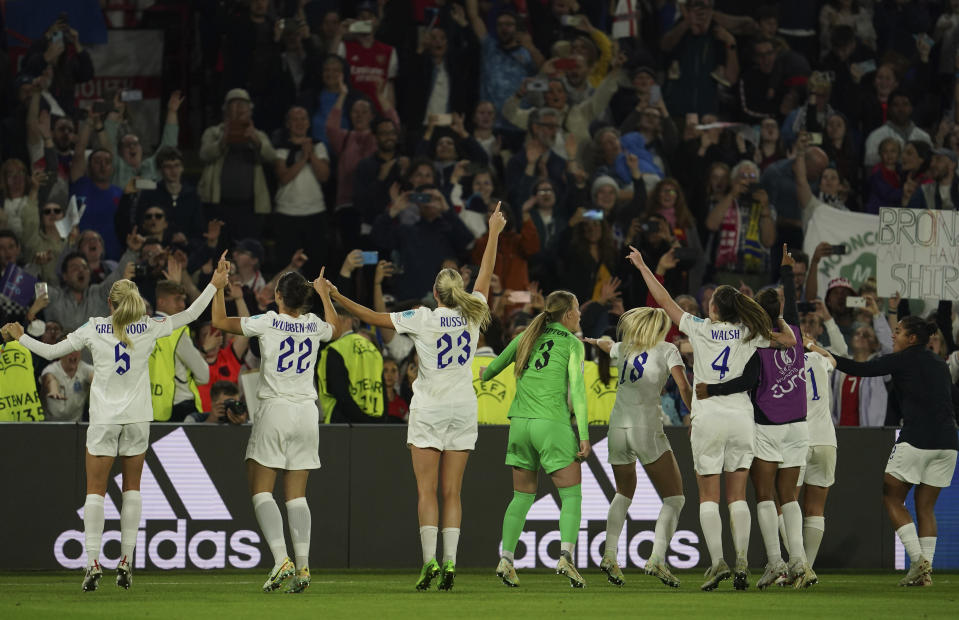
641	329
128	307
451	291
558	303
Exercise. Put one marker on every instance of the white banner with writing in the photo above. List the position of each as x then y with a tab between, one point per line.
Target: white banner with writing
918	253
856	231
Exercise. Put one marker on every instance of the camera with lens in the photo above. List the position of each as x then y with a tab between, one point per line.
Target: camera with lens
649	227
236	407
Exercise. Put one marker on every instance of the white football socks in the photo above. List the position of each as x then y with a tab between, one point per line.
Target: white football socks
910	540
129	522
93	526
769	528
712	525
740	523
428	542
792	515
812	533
271	524
928	546
782	532
451	539
666	525
615	520
299	518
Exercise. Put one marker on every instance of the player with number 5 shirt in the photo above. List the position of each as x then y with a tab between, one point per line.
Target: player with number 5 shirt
722	426
285	435
443	413
120	407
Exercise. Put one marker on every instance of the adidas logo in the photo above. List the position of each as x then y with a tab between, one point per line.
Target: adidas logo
191	484
682	552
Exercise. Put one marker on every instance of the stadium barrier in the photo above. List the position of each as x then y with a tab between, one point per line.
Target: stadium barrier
197	512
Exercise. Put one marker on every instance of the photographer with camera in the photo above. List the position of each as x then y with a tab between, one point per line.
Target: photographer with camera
744	227
226	406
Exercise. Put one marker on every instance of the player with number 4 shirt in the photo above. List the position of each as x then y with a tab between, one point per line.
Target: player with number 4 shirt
443	413
722	427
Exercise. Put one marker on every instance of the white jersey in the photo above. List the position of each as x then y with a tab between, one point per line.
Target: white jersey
720	353
642	375
445	344
819	371
120	392
288	350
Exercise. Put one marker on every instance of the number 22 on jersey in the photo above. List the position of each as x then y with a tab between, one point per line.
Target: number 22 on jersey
287	348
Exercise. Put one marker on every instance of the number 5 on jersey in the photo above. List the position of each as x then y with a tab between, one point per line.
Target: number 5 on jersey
122	358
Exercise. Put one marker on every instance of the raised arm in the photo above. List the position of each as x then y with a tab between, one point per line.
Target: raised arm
657	290
219	319
790	309
472	12
803	191
378	319
496	225
577	395
14	331
502	360
323	288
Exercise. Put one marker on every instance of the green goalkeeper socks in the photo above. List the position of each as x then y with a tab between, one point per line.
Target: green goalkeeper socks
515	519
570	512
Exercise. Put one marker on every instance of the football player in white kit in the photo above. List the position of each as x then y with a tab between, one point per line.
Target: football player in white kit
120	407
819	473
285	435
722	427
636	432
443	419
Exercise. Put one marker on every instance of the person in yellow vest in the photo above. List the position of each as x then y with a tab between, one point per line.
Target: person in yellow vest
600	377
350	375
176	365
493	397
19	401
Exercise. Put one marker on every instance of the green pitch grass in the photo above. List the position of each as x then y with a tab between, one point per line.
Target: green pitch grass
235	595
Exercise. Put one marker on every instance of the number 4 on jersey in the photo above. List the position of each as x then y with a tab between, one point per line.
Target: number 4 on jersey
721	363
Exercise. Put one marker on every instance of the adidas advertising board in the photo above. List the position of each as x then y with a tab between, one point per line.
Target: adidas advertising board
164	536
197	512
541	537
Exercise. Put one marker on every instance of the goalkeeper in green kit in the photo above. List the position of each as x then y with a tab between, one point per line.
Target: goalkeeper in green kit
549	365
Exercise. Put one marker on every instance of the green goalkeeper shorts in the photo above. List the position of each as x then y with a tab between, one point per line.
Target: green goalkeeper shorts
535	442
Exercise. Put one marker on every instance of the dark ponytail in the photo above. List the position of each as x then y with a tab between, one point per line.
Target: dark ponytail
919	327
734	307
296	292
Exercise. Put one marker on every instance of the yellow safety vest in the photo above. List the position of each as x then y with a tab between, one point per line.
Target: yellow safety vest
600	396
162	375
19	401
493	397
364	366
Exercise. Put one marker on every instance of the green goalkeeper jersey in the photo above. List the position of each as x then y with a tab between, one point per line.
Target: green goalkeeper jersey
554	369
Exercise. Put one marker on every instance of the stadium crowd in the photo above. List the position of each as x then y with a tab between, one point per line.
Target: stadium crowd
375	138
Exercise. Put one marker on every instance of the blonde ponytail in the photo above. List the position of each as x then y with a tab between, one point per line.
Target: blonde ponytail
558	303
641	329
451	291
128	307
